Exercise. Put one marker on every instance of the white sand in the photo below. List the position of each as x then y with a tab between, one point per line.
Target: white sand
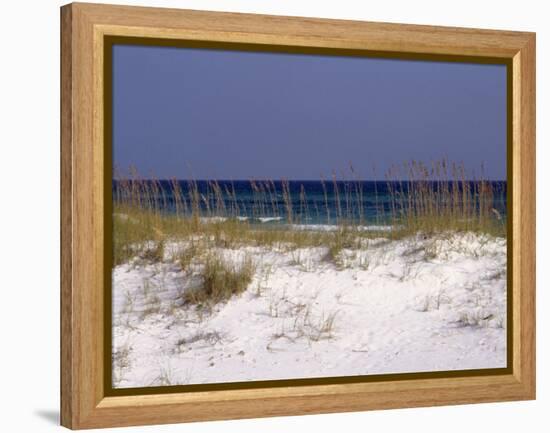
404	306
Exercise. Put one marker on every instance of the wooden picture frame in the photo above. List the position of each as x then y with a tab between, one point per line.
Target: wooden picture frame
85	402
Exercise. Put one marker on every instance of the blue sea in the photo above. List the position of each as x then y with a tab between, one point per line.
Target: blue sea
307	201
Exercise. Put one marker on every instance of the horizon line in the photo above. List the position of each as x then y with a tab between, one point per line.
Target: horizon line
329	180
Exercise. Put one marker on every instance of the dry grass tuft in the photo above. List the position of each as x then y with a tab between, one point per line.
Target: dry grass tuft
220	281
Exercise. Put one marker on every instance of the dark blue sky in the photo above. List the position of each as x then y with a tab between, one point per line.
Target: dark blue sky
181	112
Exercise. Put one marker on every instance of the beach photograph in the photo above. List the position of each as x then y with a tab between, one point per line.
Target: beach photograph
281	215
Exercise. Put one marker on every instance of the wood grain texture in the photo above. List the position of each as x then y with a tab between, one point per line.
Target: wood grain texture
175	23
67	394
83	401
524	238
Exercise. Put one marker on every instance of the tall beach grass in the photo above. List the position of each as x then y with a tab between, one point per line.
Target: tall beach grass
421	198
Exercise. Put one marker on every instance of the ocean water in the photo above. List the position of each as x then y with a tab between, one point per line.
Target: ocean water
307	202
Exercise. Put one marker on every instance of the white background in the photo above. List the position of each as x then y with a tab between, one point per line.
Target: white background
29	221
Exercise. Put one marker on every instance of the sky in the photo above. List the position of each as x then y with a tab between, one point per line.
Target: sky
213	114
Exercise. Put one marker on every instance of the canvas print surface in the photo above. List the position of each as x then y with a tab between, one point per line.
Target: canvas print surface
289	216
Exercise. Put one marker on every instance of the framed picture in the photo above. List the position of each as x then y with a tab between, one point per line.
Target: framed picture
269	216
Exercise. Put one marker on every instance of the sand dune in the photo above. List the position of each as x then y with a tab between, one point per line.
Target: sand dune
409	305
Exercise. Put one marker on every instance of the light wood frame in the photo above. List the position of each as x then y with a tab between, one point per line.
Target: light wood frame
84	403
